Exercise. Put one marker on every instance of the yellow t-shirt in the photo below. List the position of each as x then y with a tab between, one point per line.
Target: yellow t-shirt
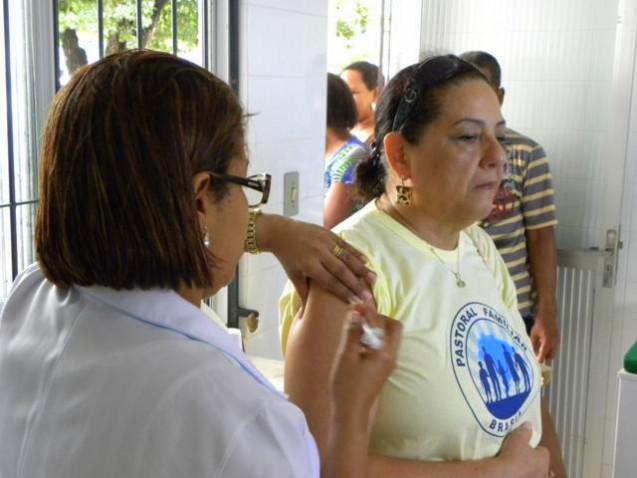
466	373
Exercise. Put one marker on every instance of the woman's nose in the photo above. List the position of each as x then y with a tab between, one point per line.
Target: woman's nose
495	155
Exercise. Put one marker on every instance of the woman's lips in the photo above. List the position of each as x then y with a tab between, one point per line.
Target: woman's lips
488	186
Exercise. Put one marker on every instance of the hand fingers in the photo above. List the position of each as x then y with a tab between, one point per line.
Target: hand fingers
369	314
324	279
535	342
520	436
542	352
342	276
355	261
393	335
301	285
353	334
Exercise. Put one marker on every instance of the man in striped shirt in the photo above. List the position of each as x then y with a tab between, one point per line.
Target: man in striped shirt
522	225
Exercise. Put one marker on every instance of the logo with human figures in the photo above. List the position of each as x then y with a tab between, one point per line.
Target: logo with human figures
493	367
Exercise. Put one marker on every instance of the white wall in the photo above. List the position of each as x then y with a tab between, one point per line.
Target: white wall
283	76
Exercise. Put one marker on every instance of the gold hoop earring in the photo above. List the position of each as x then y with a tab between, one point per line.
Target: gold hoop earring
403	193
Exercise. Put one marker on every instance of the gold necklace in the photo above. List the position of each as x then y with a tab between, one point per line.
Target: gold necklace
459	281
401	219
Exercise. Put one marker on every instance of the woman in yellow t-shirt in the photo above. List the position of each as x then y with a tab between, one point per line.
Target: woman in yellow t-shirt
466	378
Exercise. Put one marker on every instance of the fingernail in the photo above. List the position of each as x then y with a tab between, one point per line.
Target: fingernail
354	300
371	277
528	426
357	318
365	296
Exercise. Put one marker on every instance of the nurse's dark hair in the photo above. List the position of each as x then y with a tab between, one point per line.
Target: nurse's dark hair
341	109
122	143
418	87
370	73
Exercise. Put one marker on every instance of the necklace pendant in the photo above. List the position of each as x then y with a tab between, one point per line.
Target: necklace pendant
460	282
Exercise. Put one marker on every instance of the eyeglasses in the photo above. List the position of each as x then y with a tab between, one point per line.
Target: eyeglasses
429	73
255	187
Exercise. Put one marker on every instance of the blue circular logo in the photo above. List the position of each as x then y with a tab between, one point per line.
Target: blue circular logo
493	367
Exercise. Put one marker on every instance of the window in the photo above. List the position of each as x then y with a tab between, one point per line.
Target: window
87	30
32	67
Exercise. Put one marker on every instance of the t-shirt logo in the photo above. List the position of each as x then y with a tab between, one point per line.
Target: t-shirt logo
493	367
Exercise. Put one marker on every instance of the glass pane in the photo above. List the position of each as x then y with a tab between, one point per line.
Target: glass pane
5	252
189	45
120	25
78	37
4	147
157	25
25	234
25	171
24	93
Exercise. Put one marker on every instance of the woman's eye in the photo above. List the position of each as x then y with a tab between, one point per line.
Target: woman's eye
502	140
469	138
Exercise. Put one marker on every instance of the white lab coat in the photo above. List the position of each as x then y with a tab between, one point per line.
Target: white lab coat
102	383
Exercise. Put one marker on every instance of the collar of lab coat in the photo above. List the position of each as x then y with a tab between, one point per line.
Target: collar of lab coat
165	309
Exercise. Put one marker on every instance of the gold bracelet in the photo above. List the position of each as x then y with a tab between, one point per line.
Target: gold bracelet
251	238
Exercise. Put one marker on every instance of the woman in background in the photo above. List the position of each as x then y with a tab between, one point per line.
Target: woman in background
108	367
343	152
366	82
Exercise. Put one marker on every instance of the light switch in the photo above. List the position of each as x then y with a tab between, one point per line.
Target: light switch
291	193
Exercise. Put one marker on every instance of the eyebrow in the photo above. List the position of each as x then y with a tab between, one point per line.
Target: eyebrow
478	122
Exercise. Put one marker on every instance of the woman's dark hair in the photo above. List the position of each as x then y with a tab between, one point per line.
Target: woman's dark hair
369	72
408	104
341	109
121	145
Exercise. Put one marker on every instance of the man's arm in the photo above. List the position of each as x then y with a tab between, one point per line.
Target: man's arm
552	443
543	261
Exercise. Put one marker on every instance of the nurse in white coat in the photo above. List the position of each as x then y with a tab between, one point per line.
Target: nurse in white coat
107	366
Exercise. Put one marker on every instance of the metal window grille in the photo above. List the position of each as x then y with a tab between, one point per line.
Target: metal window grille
88	29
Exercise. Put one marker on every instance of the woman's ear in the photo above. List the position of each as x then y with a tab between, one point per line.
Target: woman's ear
201	187
394	145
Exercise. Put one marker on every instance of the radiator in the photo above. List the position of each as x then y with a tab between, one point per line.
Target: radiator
572	394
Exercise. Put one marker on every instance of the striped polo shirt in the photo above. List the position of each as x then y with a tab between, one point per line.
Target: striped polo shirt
524	201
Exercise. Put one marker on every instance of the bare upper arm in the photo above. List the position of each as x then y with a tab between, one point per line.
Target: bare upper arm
312	345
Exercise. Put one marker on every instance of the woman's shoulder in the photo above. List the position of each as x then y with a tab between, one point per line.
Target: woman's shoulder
362	228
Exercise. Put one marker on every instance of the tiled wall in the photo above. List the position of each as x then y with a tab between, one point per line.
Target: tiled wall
556	58
283	79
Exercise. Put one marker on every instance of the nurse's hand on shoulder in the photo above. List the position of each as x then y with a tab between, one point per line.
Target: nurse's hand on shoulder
307	251
360	371
519	459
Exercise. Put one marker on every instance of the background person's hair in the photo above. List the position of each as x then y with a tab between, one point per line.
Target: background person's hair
486	61
429	77
341	109
121	145
370	73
